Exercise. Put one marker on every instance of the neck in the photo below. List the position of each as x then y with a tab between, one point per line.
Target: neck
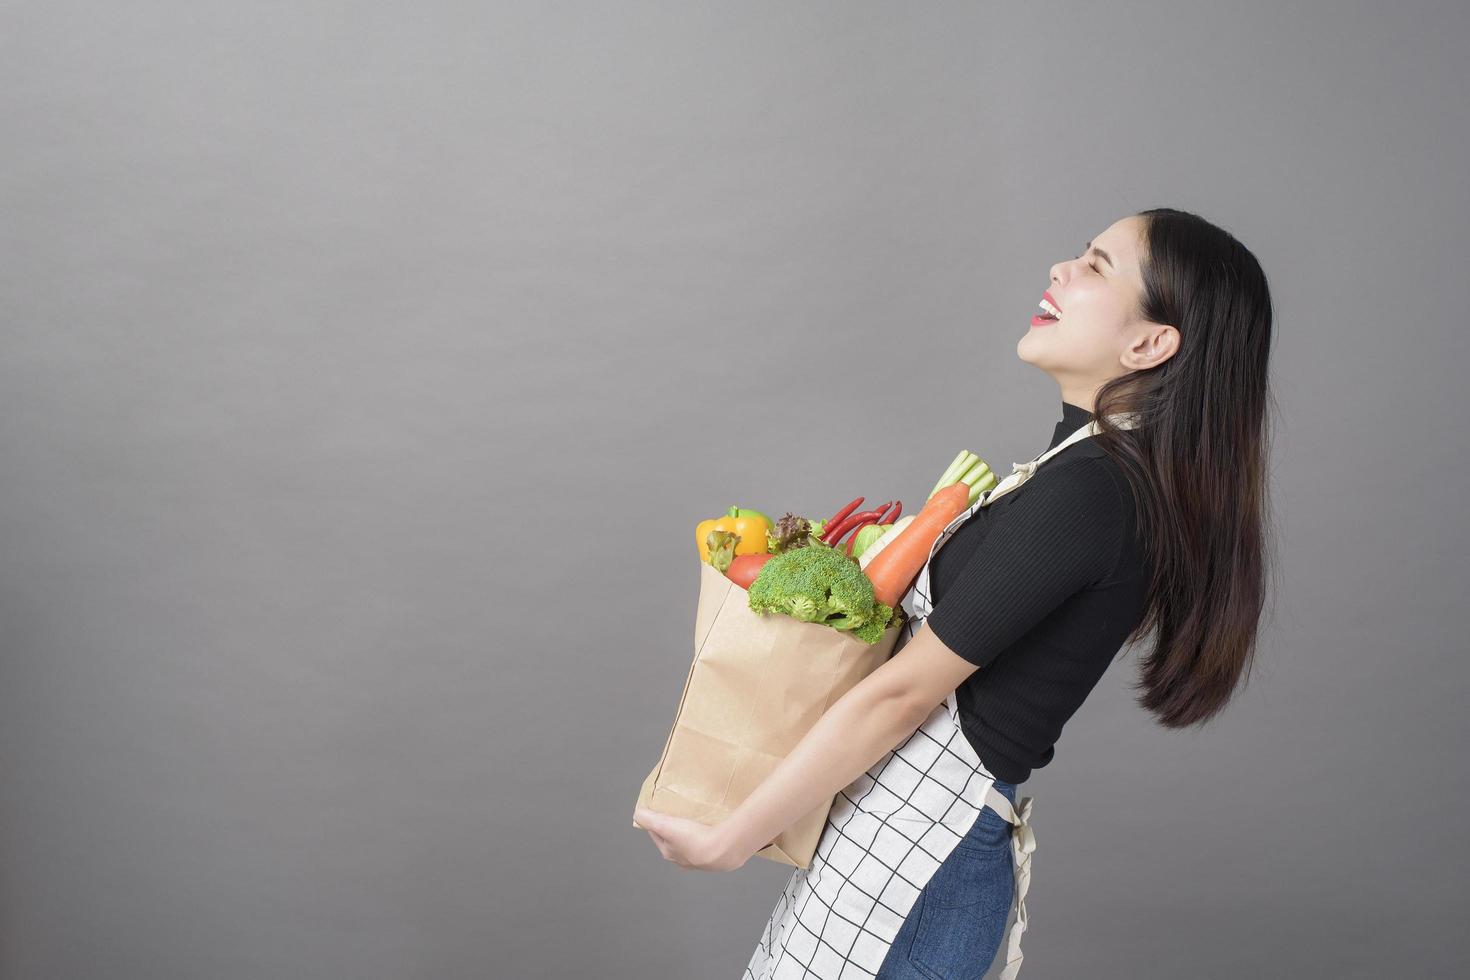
1079	396
1073	418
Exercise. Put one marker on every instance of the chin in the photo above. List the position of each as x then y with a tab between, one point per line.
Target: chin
1021	347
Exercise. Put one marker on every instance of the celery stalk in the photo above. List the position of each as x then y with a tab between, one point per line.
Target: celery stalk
975	473
980	486
968	474
952	473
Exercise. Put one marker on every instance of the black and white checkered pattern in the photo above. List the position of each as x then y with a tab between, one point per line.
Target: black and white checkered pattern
886	835
891	829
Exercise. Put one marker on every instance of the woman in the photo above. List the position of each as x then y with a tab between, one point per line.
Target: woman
1145	516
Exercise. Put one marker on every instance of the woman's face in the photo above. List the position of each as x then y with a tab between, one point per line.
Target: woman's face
1100	334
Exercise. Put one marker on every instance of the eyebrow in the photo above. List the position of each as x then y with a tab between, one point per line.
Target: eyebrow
1105	256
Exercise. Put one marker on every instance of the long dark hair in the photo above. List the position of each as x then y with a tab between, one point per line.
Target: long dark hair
1197	461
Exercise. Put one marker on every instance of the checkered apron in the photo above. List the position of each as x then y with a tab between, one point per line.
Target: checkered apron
891	828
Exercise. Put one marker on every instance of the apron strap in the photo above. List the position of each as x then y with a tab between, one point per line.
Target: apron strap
1023	839
1021	472
1023	843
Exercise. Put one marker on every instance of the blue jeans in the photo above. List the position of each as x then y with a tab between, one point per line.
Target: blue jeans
958	921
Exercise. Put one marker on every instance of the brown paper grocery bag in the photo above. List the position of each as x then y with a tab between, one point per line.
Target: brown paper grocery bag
757	684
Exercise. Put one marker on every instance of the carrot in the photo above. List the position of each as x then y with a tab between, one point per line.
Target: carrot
894	569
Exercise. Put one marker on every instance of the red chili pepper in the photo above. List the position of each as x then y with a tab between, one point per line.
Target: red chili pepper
850	523
836	532
884	518
897	509
875	512
830	534
853	540
841	515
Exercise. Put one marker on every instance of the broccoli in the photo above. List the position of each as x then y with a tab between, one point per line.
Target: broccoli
820	584
872	631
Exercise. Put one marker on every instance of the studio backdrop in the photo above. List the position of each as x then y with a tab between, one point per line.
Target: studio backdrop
366	367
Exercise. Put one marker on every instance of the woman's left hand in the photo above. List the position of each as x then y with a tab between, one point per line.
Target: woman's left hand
690	844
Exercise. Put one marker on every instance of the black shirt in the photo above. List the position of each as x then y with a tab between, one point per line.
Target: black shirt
1040	589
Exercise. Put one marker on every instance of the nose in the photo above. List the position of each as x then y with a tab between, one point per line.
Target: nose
1062	271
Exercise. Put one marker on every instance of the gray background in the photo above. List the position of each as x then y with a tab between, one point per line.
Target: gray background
367	366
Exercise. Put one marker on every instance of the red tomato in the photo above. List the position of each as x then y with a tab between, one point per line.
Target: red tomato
745	568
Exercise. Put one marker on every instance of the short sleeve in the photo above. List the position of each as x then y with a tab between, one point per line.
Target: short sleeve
1060	534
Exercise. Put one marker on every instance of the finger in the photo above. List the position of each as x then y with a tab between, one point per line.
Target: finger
664	849
671	852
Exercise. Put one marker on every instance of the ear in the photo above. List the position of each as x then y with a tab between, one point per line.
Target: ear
1152	346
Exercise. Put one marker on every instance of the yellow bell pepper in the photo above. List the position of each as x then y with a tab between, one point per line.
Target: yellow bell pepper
751	525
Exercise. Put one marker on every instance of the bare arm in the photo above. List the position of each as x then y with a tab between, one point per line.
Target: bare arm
864	725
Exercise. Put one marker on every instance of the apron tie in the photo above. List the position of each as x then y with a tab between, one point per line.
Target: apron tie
1025	469
1019	474
1023	843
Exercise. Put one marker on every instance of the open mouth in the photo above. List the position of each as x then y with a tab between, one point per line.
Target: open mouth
1049	314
